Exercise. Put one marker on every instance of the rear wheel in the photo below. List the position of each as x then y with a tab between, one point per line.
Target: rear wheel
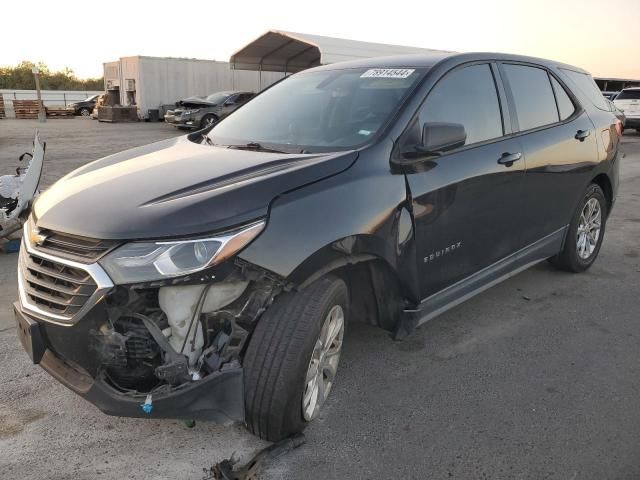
585	234
292	358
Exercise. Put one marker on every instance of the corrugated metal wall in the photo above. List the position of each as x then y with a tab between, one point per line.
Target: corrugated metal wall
166	80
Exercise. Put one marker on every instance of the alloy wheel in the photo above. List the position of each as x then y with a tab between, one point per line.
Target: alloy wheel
323	364
589	228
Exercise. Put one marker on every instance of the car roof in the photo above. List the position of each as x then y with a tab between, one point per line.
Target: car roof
631	88
431	59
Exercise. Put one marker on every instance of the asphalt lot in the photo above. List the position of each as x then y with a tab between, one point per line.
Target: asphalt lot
536	378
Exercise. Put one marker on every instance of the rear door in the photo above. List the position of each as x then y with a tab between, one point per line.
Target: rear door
466	203
559	143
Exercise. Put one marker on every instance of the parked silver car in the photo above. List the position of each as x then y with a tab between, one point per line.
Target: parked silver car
200	112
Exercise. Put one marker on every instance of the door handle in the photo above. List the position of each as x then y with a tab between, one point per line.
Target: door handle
507	158
582	134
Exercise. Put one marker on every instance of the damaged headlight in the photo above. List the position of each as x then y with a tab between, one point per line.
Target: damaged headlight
137	262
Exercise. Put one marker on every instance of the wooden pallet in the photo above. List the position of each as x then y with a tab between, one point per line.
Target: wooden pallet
26	109
59	112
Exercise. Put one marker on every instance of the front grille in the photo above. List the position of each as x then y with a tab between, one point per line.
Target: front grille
81	249
54	287
57	289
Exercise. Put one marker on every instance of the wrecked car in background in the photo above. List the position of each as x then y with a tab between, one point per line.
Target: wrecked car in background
201	112
211	276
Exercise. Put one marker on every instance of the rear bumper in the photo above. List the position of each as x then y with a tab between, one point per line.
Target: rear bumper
218	397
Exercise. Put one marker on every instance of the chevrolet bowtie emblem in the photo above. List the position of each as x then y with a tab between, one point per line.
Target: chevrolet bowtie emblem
36	238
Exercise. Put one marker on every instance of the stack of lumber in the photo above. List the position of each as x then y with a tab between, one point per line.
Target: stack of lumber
2	114
59	111
26	108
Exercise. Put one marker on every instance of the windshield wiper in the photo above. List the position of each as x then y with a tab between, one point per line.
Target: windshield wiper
256	147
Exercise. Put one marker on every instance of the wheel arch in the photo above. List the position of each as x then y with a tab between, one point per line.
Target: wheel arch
603	181
377	291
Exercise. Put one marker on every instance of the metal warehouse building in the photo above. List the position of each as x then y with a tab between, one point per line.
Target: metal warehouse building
150	82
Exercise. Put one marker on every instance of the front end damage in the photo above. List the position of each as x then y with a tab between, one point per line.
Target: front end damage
166	349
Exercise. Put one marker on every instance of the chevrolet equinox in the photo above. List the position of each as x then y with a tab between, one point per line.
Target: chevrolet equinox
212	276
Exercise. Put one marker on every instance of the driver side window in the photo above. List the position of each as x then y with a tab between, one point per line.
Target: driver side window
466	96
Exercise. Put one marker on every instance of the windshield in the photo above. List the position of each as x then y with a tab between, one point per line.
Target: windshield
218	97
320	111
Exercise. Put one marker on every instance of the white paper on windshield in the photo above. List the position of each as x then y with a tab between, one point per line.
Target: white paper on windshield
387	73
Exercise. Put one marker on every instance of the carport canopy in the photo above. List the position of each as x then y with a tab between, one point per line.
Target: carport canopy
290	52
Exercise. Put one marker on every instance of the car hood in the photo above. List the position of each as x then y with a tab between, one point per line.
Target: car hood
193	102
176	188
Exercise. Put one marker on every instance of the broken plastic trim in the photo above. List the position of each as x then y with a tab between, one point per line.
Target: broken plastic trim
228	470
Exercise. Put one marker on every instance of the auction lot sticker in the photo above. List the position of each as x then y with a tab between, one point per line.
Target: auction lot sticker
387	73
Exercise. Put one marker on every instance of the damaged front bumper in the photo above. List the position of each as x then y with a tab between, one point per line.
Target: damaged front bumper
218	397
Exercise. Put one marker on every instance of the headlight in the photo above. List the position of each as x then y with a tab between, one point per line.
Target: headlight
189	112
137	262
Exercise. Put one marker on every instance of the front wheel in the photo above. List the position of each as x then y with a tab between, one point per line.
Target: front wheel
85	112
208	120
292	358
586	232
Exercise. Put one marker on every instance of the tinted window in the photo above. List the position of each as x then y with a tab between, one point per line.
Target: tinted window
588	86
565	105
532	94
466	96
243	97
629	95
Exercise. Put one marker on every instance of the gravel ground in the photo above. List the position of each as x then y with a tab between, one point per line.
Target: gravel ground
535	378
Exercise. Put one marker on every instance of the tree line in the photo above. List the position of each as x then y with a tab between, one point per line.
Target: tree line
20	77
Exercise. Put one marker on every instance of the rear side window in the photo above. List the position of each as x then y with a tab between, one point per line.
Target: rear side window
565	105
629	95
532	94
588	86
466	96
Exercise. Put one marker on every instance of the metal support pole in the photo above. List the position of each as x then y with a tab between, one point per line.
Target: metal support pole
42	116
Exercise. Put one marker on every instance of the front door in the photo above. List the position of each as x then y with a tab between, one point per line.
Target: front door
466	202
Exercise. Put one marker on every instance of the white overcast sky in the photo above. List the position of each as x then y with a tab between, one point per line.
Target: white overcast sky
601	36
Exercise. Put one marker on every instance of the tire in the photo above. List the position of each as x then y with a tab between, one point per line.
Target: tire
208	120
85	112
573	257
278	357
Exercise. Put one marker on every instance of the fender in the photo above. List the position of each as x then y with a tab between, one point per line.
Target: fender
338	221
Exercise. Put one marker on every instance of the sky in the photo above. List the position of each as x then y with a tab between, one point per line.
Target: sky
600	36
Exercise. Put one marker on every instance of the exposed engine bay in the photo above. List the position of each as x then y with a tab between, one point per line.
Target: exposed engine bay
160	338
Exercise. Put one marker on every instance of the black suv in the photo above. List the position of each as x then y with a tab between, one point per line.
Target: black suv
212	276
84	107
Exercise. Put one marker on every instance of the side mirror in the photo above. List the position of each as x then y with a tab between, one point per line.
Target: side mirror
440	137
